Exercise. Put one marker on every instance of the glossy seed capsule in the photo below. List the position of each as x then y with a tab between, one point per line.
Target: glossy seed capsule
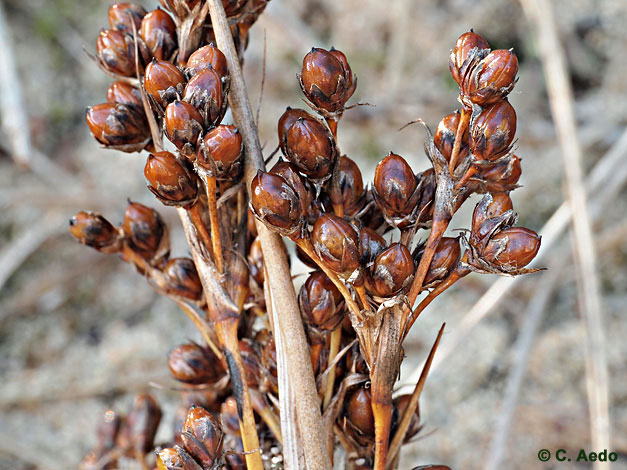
493	132
208	56
95	231
118	125
358	410
320	302
337	243
122	16
193	364
116	51
512	248
492	78
145	231
392	270
205	92
224	145
183	124
310	146
159	34
444	261
182	278
170	180
394	186
275	203
163	81
202	436
459	58
121	92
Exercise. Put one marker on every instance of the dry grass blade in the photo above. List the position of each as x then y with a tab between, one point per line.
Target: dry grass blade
299	370
533	316
399	437
561	101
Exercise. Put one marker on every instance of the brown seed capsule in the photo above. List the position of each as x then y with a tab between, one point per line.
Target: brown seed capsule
229	417
205	92
444	261
444	137
208	56
175	458
233	7
193	364
120	126
159	34
321	304
370	245
202	436
358	410
348	191
276	204
503	176
512	248
306	194
164	81
327	79
171	180
337	243
120	92
142	423
145	233
493	131
183	124
123	15
305	259
427	184
286	120
492	205
394	188
468	48
182	277
392	270
116	51
224	145
491	79
311	147
94	230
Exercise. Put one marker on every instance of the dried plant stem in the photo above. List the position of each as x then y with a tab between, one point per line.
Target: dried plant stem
203	327
216	239
261	407
195	215
464	119
561	101
399	437
334	348
289	323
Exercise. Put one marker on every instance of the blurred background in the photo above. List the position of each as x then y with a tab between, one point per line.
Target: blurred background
81	332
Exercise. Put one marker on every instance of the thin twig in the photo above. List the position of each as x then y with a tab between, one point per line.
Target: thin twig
609	167
289	322
263	77
561	101
533	317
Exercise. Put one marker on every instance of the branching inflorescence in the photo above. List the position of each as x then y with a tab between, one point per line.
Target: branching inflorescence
358	303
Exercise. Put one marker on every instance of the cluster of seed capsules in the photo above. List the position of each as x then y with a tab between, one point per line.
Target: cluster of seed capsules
313	195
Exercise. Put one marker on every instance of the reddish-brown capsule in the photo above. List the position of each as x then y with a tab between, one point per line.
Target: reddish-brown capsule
208	56
512	248
370	245
183	124
493	131
348	191
120	126
310	146
229	417
159	34
444	261
142	423
320	302
276	204
94	230
202	436
182	278
392	270
327	79
306	193
123	15
286	120
171	180
492	78
394	188
224	145
337	243
116	51
358	411
205	92
120	92
444	137
492	205
503	176
193	364
163	81
468	48
233	7
145	233
175	458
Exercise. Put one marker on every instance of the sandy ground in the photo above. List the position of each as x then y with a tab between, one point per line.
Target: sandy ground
81	332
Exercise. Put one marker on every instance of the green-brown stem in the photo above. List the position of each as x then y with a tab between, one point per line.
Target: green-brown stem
199	225
464	119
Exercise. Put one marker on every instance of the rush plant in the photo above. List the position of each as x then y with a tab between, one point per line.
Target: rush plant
242	404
